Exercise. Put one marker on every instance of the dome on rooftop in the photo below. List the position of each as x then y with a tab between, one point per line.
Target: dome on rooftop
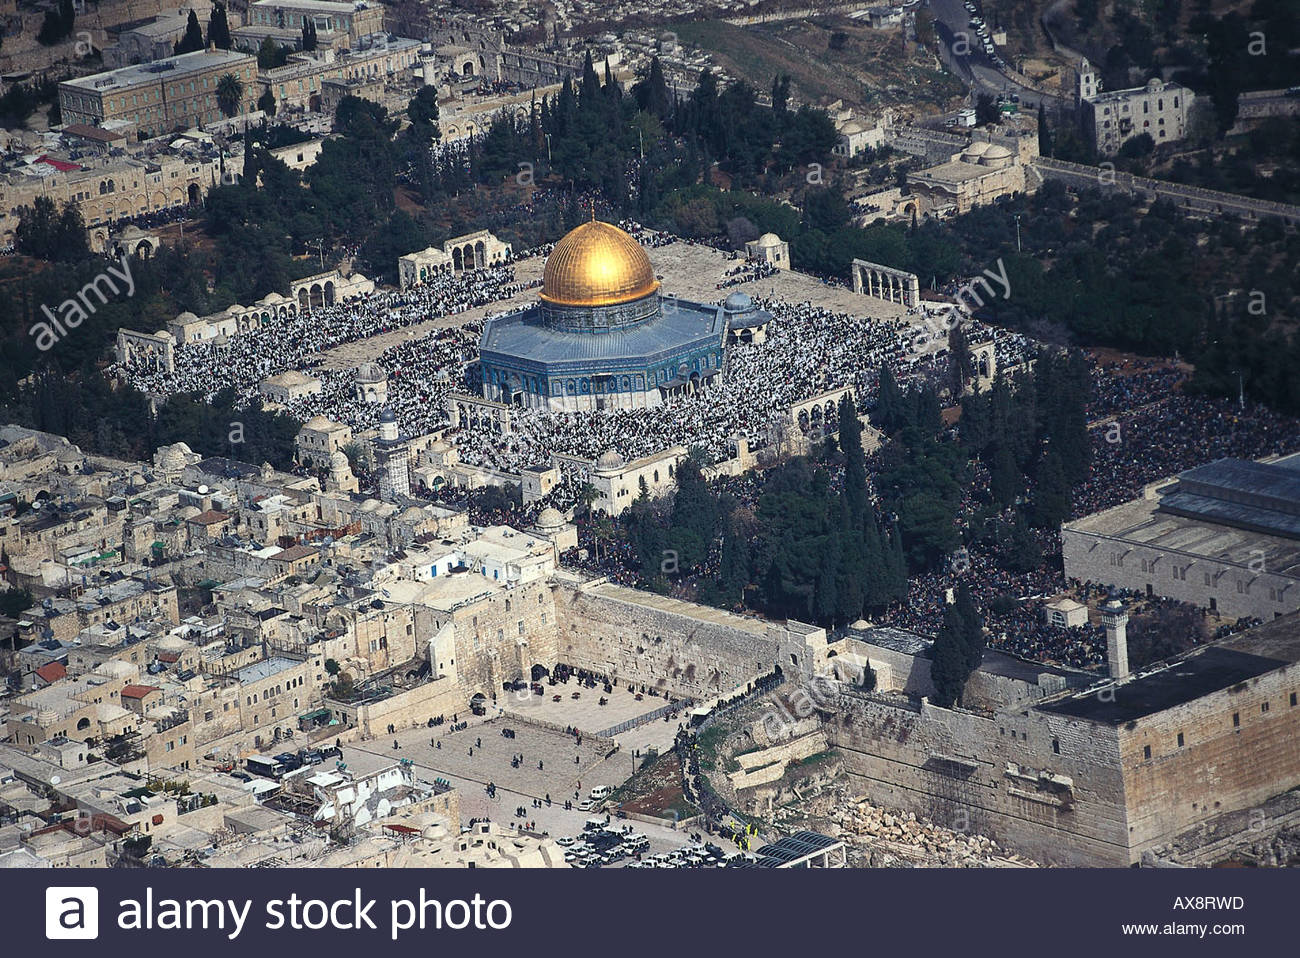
550	518
597	264
737	302
610	461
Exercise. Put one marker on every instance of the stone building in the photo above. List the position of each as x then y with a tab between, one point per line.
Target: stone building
319	438
1094	776
770	249
979	175
283	388
471	251
338	25
1225	536
154	40
179	91
856	137
746	323
299	83
618	482
113	188
1111	119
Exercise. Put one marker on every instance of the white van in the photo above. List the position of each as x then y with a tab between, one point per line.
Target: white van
600	793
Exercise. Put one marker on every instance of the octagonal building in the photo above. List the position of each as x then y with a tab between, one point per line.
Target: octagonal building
600	336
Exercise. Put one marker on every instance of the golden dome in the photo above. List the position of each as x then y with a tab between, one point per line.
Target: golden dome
597	264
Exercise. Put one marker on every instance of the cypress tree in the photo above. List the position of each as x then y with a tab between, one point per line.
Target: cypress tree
219	28
193	39
889	401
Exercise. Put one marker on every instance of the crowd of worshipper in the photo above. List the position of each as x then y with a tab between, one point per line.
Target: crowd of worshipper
809	350
1143	427
295	341
750	271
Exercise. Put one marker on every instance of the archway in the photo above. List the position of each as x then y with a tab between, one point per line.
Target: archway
457	261
317	296
302	298
196	195
329	293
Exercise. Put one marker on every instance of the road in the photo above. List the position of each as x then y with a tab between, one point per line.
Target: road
952	23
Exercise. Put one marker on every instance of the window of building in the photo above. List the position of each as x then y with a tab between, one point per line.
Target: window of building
1146	751
1236	720
1263	707
1056	746
1180	739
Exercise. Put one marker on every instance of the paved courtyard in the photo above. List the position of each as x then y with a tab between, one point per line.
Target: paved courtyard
492	752
686	270
584	712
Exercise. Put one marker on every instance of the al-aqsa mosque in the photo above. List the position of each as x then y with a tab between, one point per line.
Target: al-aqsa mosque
601	336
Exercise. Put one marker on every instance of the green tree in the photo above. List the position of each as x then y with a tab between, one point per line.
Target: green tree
1050	503
266	102
271	55
230	94
219	28
192	41
14	602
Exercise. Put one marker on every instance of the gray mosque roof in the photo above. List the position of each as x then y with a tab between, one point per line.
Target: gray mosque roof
1257	496
524	338
742	313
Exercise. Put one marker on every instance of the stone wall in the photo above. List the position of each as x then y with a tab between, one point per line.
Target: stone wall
1234	755
671	645
409	709
768	764
974	773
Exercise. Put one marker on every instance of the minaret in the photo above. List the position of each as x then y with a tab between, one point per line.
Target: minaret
392	458
1114	619
1086	85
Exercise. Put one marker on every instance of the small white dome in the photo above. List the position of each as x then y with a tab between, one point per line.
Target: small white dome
610	461
550	518
769	240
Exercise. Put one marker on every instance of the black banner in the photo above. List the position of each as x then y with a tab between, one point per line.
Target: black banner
1055	912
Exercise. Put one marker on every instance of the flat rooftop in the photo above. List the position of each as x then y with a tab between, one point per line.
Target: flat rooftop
158	71
1200	672
265	669
1143	522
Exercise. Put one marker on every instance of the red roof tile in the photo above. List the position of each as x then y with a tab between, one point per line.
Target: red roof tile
52	671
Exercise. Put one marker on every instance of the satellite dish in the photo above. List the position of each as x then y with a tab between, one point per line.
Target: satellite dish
203	490
54	780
